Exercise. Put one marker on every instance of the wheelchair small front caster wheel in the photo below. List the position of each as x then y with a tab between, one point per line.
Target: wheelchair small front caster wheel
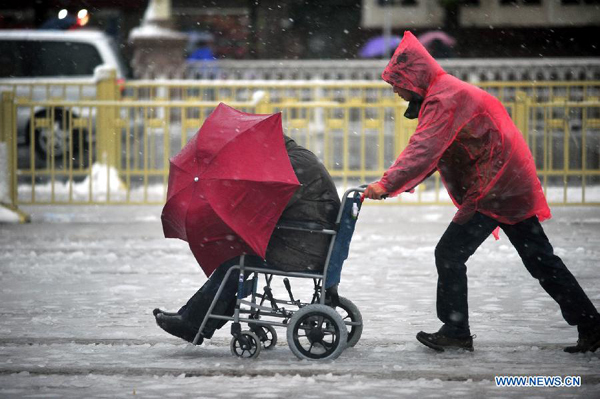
317	332
267	335
246	346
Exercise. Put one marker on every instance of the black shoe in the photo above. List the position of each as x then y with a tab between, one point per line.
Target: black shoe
589	341
440	342
177	326
157	311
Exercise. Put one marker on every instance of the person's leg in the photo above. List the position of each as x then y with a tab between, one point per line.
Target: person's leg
183	324
205	294
538	256
193	312
196	308
455	247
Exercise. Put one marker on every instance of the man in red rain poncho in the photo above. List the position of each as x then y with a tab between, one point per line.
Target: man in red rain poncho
467	136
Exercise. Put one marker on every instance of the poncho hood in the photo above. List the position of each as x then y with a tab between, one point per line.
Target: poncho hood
412	67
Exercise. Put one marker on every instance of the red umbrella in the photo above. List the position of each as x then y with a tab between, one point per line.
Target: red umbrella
428	37
228	186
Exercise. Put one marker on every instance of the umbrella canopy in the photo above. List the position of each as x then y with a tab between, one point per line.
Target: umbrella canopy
228	186
376	46
428	38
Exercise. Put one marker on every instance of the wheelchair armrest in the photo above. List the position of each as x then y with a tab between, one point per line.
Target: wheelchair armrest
294	224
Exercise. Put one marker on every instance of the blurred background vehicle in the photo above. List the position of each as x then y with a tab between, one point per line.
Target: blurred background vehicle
27	57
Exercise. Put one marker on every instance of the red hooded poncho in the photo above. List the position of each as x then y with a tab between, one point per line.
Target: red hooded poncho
467	135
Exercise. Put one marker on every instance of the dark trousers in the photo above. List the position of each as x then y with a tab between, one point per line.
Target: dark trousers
459	242
197	306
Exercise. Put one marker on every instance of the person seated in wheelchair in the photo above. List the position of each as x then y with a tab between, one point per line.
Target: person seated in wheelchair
316	201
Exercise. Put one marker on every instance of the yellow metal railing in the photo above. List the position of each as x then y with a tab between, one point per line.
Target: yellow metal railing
564	137
116	148
343	91
126	161
8	146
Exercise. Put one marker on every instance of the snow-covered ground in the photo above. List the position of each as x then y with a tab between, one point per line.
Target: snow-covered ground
78	285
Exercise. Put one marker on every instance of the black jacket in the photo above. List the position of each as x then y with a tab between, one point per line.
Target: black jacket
315	201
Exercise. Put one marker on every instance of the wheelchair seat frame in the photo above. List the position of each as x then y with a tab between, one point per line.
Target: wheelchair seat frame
313	325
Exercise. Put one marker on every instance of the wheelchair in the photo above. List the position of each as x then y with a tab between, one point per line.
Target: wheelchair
320	328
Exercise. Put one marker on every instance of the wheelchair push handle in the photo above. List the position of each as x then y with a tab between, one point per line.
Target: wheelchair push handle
363	187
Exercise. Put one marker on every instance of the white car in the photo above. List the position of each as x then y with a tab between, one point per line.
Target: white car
43	56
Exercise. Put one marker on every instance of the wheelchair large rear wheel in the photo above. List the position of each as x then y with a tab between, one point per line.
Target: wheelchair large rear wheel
317	332
351	314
